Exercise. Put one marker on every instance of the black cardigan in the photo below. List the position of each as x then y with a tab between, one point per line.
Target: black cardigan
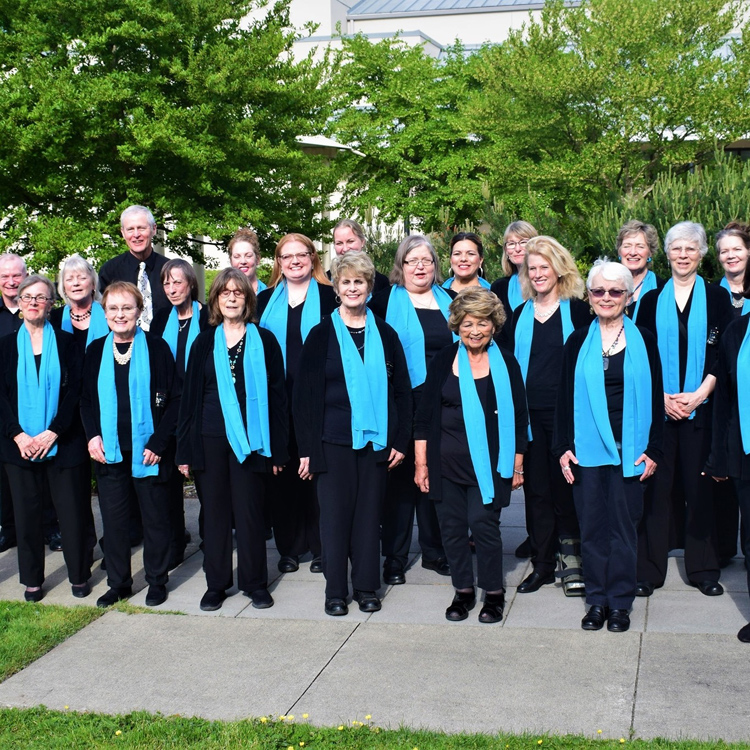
428	424
727	457
165	398
563	438
190	425
161	317
327	300
630	309
71	442
500	289
309	394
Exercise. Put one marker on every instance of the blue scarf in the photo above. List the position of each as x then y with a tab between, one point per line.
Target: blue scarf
261	286
97	324
668	333
743	396
141	419
257	435
38	395
172	329
515	296
746	302
277	311
482	282
594	441
366	383
648	284
402	316
525	332
476	426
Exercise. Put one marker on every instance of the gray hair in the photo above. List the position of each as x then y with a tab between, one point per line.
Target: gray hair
5	257
687	230
610	271
37	279
77	263
412	242
138	210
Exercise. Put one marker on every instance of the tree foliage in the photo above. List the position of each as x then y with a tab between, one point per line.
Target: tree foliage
180	105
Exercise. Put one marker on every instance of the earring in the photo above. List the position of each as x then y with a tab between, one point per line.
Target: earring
338	299
649	259
619	258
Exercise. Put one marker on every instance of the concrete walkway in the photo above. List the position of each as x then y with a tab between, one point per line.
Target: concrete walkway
680	671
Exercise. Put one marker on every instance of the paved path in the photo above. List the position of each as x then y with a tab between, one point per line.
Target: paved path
679	672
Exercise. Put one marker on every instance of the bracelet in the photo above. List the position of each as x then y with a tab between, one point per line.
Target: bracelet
515	471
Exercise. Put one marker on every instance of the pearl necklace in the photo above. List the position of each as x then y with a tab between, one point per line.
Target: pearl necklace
122	359
542	315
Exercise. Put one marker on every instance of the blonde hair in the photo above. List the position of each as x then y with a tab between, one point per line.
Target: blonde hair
479	302
521	229
355	264
569	281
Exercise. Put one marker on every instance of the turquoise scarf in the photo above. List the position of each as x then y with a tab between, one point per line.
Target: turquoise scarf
746	302
257	435
476	426
261	286
515	296
97	324
668	332
649	283
172	329
594	441
482	282
366	384
141	419
403	317
276	313
743	395
524	333
38	395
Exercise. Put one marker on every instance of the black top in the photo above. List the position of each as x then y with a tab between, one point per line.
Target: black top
9	321
500	288
122	388
309	394
125	267
630	309
614	387
546	353
71	442
159	323
737	300
563	438
213	417
428	421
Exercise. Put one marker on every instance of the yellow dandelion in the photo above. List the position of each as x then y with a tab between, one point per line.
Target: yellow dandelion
305	716
539	742
281	718
118	733
368	717
290	717
598	731
263	719
341	727
291	747
67	707
301	744
622	740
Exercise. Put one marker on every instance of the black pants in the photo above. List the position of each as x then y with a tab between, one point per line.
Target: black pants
227	487
7	516
459	510
743	495
351	497
609	509
686	449
71	495
727	519
176	515
548	497
115	488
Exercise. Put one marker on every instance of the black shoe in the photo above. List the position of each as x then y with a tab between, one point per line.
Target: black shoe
212	600
439	565
618	621
463	602
644	588
7	541
156	595
82	591
336	607
112	596
34	596
261	598
744	634
316	566
524	550
534	581
595	618
708	588
288	564
393	573
368	601
492	611
55	542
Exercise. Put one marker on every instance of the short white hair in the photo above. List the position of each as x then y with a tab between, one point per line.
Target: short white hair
611	271
687	230
138	210
12	257
77	263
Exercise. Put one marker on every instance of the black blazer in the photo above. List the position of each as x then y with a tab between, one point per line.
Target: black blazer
630	309
71	442
327	300
428	421
563	438
165	398
500	288
309	394
124	267
190	424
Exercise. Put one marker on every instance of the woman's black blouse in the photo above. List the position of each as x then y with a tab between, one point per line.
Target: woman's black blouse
614	387
213	418
79	334
630	309
159	323
500	289
122	388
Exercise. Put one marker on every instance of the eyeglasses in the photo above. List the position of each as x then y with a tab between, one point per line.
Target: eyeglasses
40	299
414	262
293	256
125	310
512	245
678	250
227	293
613	293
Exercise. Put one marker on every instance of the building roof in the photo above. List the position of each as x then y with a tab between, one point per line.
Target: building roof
386	8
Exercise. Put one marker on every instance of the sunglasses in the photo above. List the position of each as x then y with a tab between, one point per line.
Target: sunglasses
613	293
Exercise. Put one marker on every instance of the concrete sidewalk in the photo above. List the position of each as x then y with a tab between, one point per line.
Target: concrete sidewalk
679	672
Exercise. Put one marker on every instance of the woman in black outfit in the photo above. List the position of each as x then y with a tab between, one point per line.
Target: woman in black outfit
417	308
299	297
352	413
636	245
129	407
42	445
232	430
688	317
539	330
469	473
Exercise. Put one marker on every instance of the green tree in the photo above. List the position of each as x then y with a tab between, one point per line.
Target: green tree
181	105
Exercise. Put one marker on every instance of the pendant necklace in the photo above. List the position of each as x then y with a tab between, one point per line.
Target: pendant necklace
233	359
606	355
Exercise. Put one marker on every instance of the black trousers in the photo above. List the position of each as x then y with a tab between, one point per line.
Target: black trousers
115	488
727	519
229	488
459	510
743	495
686	449
176	515
7	516
609	509
351	498
402	499
548	497
71	494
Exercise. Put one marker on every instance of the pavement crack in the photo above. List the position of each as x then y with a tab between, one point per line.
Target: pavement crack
637	675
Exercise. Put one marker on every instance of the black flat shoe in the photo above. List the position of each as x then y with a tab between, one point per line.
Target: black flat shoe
212	600
112	596
393	574
439	565
744	634
708	588
82	591
261	598
336	607
55	542
462	604
644	588
492	610
156	595
618	621
534	582
368	601
34	596
316	566
288	564
595	618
